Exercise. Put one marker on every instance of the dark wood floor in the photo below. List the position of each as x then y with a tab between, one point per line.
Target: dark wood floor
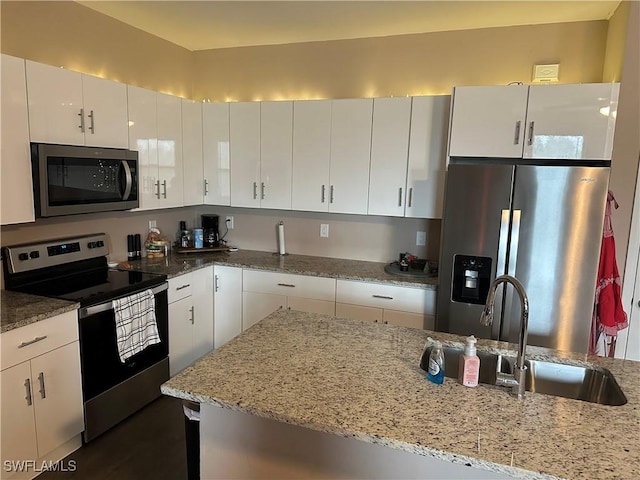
148	445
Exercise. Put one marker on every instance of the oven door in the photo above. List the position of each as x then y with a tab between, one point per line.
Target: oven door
101	365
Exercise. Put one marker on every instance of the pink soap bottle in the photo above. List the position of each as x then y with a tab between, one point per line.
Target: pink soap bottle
469	369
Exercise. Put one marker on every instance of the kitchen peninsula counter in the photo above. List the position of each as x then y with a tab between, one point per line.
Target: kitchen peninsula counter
362	381
179	263
21	309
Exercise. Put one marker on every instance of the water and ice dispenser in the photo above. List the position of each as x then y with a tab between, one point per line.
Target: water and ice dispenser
471	279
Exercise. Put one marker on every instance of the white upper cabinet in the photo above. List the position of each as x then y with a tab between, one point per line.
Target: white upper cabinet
571	121
215	146
389	150
15	157
155	131
427	156
276	153
311	155
539	121
244	136
71	108
350	155
192	158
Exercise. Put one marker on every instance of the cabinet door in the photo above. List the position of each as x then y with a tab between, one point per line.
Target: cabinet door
57	392
170	150
227	301
312	305
276	136
18	422
192	163
244	136
256	306
105	108
311	153
571	121
15	158
202	300
427	156
350	155
181	321
488	121
215	147
55	104
143	137
359	312
389	150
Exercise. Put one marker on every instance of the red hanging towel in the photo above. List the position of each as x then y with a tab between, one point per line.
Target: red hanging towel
609	316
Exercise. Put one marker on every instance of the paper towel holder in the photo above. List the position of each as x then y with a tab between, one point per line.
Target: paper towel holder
280	237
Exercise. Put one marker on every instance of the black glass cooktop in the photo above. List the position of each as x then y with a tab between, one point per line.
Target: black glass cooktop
95	286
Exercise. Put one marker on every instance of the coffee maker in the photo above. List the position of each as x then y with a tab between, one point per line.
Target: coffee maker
210	230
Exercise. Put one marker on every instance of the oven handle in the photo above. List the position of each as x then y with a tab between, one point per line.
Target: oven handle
103	307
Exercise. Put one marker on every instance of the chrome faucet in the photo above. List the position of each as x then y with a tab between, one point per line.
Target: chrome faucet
517	380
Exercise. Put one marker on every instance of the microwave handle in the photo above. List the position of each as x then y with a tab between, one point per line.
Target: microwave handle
128	178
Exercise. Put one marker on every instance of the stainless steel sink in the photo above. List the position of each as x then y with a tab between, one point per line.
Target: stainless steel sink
569	381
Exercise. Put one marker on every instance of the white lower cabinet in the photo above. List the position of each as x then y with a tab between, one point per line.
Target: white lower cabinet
265	292
389	304
41	409
227	299
190	318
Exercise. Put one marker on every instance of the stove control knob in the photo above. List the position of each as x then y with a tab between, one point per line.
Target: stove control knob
34	254
23	256
100	243
91	244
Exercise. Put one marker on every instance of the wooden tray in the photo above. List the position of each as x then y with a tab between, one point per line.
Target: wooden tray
200	250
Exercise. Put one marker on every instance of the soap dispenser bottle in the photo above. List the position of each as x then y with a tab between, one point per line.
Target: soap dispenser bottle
435	370
469	369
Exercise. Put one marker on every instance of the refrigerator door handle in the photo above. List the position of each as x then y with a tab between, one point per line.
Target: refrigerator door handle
507	324
513	245
501	266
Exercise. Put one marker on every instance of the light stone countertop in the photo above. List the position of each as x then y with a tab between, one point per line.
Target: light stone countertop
20	309
180	263
363	380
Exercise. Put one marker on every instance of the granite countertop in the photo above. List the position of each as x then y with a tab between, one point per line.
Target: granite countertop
20	309
179	263
363	380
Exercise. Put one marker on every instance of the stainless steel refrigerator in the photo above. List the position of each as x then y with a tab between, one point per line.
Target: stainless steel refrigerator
539	223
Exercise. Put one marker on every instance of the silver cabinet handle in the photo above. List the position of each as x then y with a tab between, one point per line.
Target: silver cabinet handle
255	190
81	115
91	125
385	297
400	197
322	196
410	196
43	393
31	342
531	125
27	386
193	318
216	286
164	187
183	286
206	188
286	285
516	135
262	190
331	194
158	189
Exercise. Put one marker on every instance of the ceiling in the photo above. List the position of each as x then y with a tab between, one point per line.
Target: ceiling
201	25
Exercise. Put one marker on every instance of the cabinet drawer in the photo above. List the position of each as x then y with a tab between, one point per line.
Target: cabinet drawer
37	338
291	285
393	297
179	287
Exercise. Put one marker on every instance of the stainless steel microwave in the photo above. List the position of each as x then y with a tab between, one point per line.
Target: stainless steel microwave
70	179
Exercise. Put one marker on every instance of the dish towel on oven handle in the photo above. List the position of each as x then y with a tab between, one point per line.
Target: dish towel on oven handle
136	326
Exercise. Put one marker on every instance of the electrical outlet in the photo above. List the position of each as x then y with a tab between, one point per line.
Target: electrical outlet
421	239
229	221
152	224
324	230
